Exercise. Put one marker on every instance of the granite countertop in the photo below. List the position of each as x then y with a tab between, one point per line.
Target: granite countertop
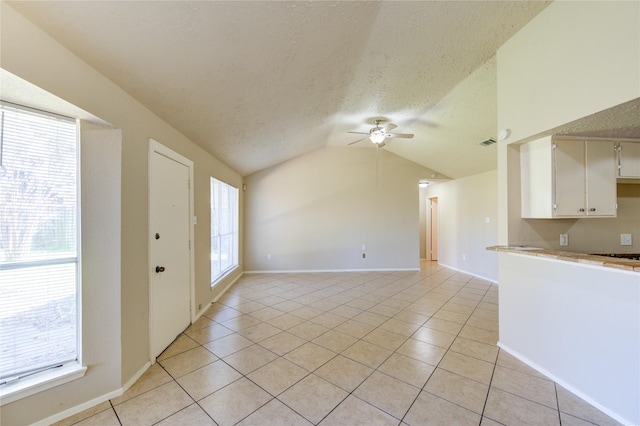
590	259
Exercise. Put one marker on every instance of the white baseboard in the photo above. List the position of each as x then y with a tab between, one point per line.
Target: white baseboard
312	271
491	280
93	402
565	385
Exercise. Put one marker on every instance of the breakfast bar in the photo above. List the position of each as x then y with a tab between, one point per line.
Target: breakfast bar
575	318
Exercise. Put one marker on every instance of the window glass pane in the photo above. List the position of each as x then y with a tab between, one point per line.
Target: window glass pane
224	228
38	241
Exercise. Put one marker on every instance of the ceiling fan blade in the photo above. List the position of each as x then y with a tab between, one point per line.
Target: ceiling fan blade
360	133
389	127
359	140
399	135
381	144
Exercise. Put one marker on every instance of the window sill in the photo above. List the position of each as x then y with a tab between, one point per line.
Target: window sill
223	275
31	385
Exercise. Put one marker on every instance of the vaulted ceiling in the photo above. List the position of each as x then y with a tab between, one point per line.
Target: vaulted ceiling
258	83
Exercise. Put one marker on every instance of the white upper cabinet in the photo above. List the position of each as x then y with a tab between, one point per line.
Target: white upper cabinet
568	178
629	160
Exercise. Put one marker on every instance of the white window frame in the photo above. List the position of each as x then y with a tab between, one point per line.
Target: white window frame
23	386
218	276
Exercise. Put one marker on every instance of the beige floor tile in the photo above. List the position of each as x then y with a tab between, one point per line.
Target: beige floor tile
222	315
467	366
509	361
479	335
356	329
344	373
324	305
85	414
335	341
282	343
308	330
407	369
288	306
310	356
249	306
576	407
422	351
207	334
416	314
233	403
539	390
228	344
464	392
241	322
307	312
509	409
488	422
387	311
153	406
430	410
265	314
152	378
103	418
353	411
192	415
388	394
435	337
182	344
277	376
484	323
313	397
259	332
458	317
208	379
201	322
400	327
346	311
367	353
286	321
456	306
328	320
274	413
371	318
444	325
385	339
187	362
475	349
249	359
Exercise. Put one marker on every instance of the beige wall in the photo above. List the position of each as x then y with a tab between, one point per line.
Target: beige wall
32	55
463	208
572	60
316	211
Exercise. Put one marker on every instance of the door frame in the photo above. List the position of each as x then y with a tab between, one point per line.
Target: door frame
431	235
156	147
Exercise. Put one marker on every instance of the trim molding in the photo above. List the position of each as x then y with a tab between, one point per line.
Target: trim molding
491	280
310	271
565	385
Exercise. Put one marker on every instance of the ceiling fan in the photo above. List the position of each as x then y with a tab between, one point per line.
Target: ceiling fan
378	134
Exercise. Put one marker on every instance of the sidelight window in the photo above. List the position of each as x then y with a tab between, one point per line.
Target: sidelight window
224	229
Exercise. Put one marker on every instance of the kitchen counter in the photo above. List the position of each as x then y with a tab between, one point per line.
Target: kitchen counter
590	259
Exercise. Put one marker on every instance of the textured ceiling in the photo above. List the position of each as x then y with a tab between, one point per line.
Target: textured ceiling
258	83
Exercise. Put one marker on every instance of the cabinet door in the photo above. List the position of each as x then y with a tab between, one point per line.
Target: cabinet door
570	188
601	178
630	160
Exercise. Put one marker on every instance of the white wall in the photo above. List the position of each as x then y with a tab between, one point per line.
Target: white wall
117	305
463	207
316	211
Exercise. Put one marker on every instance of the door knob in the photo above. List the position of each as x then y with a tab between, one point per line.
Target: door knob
159	269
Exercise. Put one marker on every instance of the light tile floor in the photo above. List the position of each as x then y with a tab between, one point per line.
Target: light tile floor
357	348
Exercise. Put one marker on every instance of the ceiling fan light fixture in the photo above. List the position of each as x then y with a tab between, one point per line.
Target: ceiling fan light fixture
377	138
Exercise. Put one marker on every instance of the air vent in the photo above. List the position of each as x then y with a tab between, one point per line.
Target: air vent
488	142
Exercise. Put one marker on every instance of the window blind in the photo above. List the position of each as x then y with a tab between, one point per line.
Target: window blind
224	228
38	241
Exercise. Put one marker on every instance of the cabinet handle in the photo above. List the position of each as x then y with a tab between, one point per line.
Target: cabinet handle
581	210
592	209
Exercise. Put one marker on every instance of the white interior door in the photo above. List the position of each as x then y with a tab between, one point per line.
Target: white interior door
434	228
169	246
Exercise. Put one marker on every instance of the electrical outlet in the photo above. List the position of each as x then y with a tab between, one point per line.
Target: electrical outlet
268	257
625	239
464	257
364	247
564	239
